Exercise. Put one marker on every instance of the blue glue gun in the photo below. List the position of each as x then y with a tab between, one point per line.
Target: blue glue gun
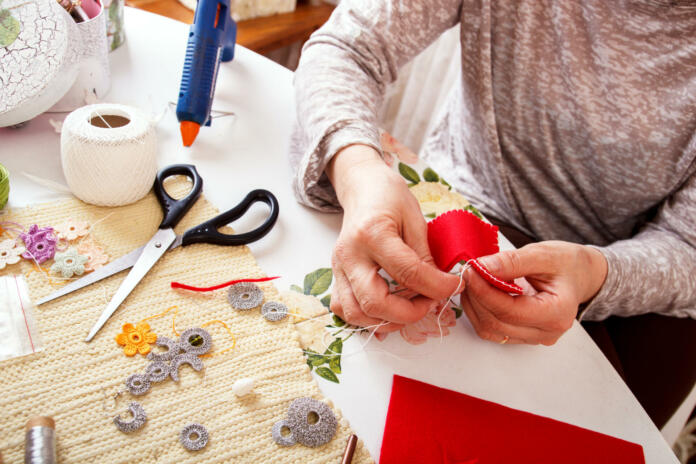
211	39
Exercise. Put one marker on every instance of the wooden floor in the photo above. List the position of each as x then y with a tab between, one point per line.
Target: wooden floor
260	34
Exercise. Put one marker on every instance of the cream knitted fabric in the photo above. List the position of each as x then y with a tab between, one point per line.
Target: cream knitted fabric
69	379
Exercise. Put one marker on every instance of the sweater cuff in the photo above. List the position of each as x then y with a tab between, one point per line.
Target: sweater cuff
311	184
598	308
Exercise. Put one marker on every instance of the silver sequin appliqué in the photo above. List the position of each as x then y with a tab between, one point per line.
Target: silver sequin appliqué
318	433
139	419
245	296
274	311
194	437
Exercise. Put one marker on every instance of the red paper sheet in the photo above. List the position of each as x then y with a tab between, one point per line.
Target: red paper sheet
427	424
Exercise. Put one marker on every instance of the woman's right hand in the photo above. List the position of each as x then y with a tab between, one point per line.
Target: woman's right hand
382	228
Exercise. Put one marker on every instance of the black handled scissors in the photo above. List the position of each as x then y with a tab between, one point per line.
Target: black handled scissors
142	259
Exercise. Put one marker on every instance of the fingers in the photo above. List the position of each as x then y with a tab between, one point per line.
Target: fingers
536	310
529	260
489	327
345	306
374	299
404	265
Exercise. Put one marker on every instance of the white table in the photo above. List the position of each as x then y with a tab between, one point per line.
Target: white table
571	381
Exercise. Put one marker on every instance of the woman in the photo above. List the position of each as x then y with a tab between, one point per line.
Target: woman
573	125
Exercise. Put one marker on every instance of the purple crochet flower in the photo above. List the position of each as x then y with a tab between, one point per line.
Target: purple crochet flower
40	243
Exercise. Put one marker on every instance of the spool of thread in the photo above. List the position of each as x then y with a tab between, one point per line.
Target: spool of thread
40	441
109	154
4	186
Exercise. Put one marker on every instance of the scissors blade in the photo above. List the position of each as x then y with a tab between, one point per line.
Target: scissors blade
114	267
152	252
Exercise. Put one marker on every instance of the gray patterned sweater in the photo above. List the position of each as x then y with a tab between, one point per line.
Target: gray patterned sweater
573	120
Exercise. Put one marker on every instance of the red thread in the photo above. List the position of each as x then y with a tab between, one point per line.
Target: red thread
493	280
26	324
217	287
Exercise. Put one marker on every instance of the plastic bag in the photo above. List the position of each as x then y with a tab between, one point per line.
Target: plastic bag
18	333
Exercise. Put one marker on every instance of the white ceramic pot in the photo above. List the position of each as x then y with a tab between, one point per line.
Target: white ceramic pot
42	63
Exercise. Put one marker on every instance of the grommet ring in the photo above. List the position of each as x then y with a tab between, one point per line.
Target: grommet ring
196	341
157	371
194	437
173	349
186	358
244	296
312	422
274	311
139	419
138	384
277	433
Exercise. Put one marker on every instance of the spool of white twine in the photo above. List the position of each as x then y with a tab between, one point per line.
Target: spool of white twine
109	154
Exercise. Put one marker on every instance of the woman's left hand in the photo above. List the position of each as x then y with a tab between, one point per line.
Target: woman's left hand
563	274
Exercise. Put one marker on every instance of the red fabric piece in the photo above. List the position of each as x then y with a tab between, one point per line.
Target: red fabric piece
462	236
217	287
509	287
427	424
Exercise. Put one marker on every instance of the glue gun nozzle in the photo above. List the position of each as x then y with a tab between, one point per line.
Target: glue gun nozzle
189	131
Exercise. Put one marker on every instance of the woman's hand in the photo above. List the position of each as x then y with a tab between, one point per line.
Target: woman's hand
564	276
382	228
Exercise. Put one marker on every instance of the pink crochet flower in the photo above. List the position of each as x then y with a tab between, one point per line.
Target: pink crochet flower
40	243
70	230
96	257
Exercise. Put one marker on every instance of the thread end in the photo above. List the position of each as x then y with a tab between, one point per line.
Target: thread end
40	421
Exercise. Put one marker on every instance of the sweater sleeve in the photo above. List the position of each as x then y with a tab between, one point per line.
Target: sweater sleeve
341	79
655	271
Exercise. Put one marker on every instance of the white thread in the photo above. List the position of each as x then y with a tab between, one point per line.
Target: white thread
449	300
56	186
110	166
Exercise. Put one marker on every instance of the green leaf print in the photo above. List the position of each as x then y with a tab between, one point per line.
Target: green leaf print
326	301
409	173
430	176
317	282
327	373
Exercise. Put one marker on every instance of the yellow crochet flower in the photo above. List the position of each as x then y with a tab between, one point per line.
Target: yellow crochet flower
136	339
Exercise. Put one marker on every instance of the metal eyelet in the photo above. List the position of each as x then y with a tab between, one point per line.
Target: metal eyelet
277	433
139	419
274	311
157	371
186	358
190	337
173	349
311	434
244	296
194	444
138	384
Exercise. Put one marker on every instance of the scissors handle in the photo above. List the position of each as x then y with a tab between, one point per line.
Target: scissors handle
174	209
207	232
